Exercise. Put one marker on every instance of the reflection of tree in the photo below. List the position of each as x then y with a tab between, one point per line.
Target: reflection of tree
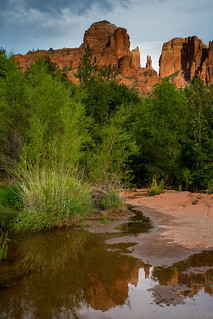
63	270
51	252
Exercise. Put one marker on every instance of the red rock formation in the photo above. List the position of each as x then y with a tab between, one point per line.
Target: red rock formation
180	58
183	58
109	45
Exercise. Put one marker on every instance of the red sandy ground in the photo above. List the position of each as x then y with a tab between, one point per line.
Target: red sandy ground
191	214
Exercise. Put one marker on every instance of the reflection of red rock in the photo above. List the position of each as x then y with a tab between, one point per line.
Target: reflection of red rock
209	282
195	289
110	45
147	270
174	278
102	297
105	295
134	274
194	283
185	57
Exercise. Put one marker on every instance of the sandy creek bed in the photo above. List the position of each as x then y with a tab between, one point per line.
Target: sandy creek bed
182	226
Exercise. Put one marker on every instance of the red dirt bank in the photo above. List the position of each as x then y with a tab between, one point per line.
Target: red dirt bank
191	213
182	226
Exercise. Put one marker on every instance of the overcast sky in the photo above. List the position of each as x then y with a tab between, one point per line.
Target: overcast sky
41	24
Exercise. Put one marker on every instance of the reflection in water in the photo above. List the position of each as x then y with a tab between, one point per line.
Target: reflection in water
64	269
73	274
191	276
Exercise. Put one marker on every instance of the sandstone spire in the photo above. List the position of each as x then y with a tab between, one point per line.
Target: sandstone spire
135	58
149	62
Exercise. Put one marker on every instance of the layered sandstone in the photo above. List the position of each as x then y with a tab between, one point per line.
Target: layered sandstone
183	58
109	45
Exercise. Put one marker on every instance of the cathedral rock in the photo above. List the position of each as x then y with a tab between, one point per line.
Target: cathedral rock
180	58
110	45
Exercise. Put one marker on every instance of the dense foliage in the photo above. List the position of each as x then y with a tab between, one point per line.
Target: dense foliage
58	140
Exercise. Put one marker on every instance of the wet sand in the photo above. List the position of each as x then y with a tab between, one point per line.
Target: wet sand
183	225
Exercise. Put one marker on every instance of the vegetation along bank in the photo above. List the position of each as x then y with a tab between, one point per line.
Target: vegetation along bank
65	148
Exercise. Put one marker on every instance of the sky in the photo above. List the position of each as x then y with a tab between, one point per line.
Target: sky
44	24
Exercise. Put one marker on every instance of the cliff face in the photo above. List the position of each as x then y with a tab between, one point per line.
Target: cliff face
181	58
109	44
185	57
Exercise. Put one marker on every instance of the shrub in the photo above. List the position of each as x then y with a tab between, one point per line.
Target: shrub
49	196
156	188
3	245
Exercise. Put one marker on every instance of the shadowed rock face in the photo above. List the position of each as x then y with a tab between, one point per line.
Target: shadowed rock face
110	44
186	57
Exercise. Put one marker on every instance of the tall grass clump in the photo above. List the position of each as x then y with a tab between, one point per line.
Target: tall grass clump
155	187
50	195
106	197
111	199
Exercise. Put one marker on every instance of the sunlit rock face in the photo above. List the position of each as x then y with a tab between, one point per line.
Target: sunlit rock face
186	57
109	45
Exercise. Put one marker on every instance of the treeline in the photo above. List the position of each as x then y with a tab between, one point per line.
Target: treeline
57	138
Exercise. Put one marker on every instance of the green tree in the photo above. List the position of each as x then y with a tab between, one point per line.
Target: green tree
14	110
88	70
198	150
44	62
56	123
160	129
107	163
103	94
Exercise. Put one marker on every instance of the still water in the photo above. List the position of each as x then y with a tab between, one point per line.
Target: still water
76	274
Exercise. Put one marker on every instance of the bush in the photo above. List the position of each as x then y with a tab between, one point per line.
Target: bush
49	196
105	198
156	188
